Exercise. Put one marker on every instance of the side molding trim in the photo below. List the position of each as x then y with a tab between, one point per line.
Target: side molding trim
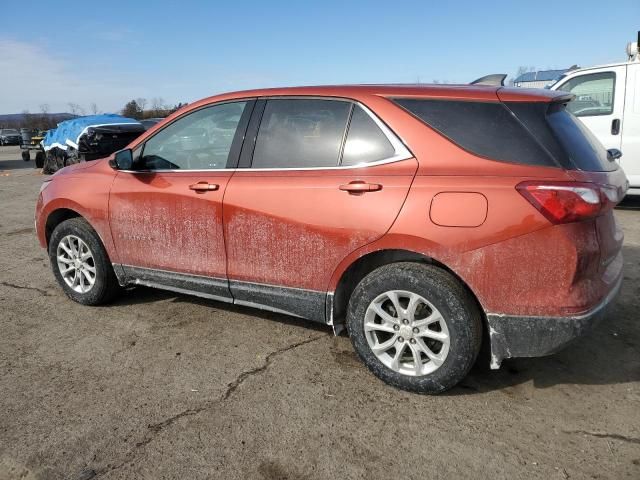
298	302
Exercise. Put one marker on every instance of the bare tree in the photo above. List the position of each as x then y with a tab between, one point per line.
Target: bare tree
75	109
157	107
28	120
142	102
93	108
44	120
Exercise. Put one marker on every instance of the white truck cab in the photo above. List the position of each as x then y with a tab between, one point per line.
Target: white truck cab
607	100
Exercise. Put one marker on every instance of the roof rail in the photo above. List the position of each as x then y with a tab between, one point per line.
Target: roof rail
495	79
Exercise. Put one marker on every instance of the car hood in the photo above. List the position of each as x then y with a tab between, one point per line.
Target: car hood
79	166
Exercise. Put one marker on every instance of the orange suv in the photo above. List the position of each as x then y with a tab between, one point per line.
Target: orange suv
425	219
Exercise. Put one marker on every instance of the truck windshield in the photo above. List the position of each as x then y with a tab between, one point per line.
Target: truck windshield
553	82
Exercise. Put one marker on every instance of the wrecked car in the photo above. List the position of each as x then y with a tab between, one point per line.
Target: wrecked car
427	220
87	138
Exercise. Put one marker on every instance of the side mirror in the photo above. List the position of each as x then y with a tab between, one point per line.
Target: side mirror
613	154
122	160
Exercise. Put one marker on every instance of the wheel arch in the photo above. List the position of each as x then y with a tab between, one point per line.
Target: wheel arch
338	298
56	217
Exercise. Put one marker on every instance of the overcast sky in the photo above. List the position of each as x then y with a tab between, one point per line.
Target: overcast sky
110	52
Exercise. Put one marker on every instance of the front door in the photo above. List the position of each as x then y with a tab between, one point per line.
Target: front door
326	178
599	101
166	214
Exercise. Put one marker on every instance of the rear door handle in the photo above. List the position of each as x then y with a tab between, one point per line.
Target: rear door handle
615	126
358	186
204	186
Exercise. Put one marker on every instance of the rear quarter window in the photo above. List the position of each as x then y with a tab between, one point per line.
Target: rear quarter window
365	141
486	129
581	146
570	142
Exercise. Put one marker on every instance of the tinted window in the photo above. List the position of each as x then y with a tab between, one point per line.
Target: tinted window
487	129
365	141
534	117
594	94
583	148
566	137
199	141
297	133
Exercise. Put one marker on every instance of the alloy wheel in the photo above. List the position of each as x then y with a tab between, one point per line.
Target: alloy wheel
406	333
76	264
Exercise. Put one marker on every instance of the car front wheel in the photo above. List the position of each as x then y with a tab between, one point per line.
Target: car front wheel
415	327
81	264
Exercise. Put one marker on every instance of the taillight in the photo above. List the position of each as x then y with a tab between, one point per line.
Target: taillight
564	202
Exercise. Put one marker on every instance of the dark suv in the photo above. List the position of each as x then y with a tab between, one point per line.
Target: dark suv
9	136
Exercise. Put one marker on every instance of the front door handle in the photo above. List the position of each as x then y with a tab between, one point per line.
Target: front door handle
204	186
615	126
358	186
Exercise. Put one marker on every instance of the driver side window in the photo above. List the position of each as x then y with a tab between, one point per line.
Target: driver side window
199	141
594	94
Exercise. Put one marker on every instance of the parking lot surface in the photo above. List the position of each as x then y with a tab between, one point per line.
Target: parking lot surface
161	385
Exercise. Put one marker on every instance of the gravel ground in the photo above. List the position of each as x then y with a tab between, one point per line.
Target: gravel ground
160	385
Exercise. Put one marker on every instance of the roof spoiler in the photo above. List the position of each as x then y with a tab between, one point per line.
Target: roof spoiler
563	98
495	80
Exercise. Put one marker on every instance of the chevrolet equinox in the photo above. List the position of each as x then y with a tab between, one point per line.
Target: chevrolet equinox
424	219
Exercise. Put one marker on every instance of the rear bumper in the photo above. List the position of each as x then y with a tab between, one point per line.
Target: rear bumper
528	336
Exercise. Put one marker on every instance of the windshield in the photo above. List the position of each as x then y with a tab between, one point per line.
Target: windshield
553	82
10	131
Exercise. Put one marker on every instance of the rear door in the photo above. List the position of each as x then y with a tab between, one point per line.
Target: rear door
599	101
320	178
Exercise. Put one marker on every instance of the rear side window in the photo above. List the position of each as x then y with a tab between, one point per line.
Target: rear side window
486	129
365	142
299	133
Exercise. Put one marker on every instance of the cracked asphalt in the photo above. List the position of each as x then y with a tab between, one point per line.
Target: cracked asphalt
164	386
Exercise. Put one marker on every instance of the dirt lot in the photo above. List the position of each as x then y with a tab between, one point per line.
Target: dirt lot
161	385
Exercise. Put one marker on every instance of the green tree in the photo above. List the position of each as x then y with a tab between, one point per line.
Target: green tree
132	110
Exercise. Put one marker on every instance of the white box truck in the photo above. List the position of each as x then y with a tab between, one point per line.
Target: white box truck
607	100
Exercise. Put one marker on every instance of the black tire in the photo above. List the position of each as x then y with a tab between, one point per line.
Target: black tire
25	156
106	284
50	164
40	159
448	296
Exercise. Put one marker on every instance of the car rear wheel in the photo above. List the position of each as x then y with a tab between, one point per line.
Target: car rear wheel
25	156
81	264
415	327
